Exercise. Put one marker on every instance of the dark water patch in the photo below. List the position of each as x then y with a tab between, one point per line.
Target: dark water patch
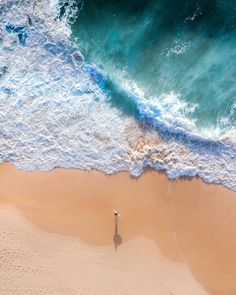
19	31
121	100
165	46
3	71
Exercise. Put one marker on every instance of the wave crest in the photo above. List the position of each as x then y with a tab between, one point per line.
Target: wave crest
55	109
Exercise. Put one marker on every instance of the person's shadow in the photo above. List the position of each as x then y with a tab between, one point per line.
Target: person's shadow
117	238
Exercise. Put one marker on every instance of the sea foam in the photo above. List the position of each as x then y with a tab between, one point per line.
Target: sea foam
55	109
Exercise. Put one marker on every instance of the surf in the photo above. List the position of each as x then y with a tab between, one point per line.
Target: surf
60	107
160	49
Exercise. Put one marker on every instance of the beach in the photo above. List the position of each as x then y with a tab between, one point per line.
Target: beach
117	147
57	234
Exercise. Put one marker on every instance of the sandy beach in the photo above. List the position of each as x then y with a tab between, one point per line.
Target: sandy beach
57	234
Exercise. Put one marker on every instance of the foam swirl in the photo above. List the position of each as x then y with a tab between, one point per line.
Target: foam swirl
56	110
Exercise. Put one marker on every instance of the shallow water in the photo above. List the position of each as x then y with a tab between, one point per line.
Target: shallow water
117	89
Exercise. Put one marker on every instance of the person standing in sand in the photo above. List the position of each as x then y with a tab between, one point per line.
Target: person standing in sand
116	213
116	238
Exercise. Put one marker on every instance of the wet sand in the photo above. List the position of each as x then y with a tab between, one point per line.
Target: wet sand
57	234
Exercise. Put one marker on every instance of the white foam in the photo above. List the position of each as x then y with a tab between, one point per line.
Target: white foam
178	48
53	112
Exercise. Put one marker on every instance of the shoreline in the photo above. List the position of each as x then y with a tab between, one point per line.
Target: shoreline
185	225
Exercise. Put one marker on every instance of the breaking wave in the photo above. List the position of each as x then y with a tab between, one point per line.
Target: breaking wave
61	108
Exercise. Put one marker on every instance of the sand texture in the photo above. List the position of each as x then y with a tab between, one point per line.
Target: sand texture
58	234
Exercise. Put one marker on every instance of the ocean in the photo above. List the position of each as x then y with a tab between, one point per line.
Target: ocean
120	86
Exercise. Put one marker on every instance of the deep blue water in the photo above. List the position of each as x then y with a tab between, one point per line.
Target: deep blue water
179	54
119	86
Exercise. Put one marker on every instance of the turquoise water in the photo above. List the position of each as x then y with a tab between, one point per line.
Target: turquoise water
177	54
119	86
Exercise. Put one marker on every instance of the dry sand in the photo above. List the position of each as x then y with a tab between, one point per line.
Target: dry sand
57	234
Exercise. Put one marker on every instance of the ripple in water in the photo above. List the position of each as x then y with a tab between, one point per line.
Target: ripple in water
57	110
